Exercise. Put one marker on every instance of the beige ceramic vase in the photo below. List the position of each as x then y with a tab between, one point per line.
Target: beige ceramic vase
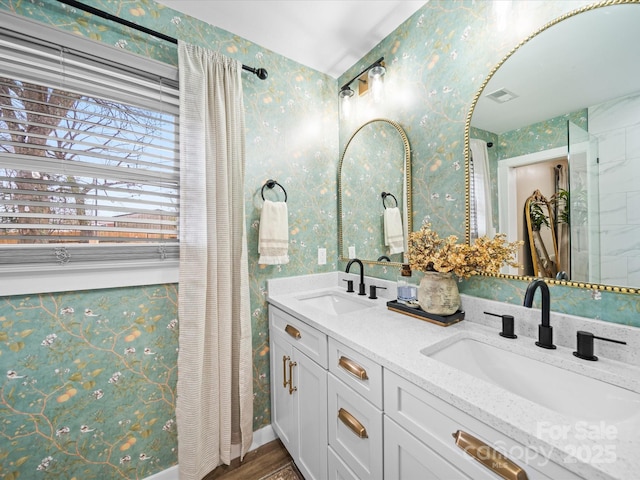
438	293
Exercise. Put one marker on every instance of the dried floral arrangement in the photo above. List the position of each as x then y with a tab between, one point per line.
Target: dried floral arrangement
430	253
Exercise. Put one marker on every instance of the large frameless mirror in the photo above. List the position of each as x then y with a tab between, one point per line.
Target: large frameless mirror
374	194
559	116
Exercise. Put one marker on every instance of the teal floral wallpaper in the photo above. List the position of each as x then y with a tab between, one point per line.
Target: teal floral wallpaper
540	136
436	62
52	421
88	386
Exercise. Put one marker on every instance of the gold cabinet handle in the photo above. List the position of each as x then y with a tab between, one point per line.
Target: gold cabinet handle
352	423
489	457
285	359
293	331
353	368
291	387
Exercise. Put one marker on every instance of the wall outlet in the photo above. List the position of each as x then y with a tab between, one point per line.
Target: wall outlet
322	256
352	251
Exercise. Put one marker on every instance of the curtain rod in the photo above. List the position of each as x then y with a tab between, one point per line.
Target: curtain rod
260	72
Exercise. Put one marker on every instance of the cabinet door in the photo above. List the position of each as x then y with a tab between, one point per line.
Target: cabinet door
282	406
406	458
310	400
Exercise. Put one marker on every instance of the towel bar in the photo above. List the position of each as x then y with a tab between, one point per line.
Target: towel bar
384	196
272	183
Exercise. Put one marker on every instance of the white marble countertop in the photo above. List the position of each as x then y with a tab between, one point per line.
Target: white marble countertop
395	341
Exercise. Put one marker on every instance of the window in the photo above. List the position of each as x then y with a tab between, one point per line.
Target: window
89	172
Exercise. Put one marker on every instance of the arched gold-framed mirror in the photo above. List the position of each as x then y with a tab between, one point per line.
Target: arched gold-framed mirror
592	25
374	179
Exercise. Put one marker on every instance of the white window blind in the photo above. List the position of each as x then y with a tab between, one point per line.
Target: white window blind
88	152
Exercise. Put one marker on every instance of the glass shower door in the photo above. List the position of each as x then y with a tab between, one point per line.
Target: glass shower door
584	205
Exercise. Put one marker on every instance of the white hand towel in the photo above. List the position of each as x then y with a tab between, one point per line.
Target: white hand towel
393	236
273	236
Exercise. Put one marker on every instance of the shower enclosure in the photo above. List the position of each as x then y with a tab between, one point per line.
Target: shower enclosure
584	205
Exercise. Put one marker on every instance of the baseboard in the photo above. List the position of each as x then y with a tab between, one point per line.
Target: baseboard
260	437
168	474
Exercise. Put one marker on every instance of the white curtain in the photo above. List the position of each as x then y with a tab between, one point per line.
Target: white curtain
215	399
482	190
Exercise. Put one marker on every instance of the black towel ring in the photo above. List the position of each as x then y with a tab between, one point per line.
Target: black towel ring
384	196
270	184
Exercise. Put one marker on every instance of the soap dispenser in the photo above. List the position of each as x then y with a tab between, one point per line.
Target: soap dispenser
407	289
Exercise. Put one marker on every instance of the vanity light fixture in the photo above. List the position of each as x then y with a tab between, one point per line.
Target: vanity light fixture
375	73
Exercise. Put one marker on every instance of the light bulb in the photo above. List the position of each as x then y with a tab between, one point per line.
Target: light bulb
375	82
345	101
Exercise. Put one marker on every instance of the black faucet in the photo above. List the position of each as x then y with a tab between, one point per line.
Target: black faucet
545	330
361	287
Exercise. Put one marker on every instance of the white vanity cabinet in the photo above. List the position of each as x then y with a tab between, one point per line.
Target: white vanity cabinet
420	441
299	391
355	415
357	395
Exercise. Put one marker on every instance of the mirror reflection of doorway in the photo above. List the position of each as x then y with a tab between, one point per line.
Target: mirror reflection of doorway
542	177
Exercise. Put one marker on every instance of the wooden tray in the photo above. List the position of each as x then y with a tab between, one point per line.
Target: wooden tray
443	321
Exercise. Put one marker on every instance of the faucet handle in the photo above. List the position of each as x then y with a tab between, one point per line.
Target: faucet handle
372	291
349	285
585	345
507	325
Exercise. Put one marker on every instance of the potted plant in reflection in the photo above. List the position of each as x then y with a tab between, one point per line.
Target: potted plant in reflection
538	218
441	260
560	202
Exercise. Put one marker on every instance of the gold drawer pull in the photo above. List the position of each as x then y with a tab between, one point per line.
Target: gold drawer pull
293	331
354	425
291	387
489	457
285	358
353	368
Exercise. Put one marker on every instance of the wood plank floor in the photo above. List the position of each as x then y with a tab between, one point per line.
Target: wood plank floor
256	464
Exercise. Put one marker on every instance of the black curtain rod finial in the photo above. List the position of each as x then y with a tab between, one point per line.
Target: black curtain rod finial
261	73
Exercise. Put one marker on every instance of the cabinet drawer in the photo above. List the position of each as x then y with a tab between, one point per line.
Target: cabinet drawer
357	371
406	458
307	339
434	422
338	470
355	430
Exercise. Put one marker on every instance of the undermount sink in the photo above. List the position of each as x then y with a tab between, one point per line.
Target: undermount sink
335	303
563	391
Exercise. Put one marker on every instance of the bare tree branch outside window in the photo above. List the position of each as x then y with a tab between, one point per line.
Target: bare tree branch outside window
95	159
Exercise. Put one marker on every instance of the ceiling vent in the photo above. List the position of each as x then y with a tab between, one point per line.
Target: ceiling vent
502	96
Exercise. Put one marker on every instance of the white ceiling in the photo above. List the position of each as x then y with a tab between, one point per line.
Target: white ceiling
583	61
327	35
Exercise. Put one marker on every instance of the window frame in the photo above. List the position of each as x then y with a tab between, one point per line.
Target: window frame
24	279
